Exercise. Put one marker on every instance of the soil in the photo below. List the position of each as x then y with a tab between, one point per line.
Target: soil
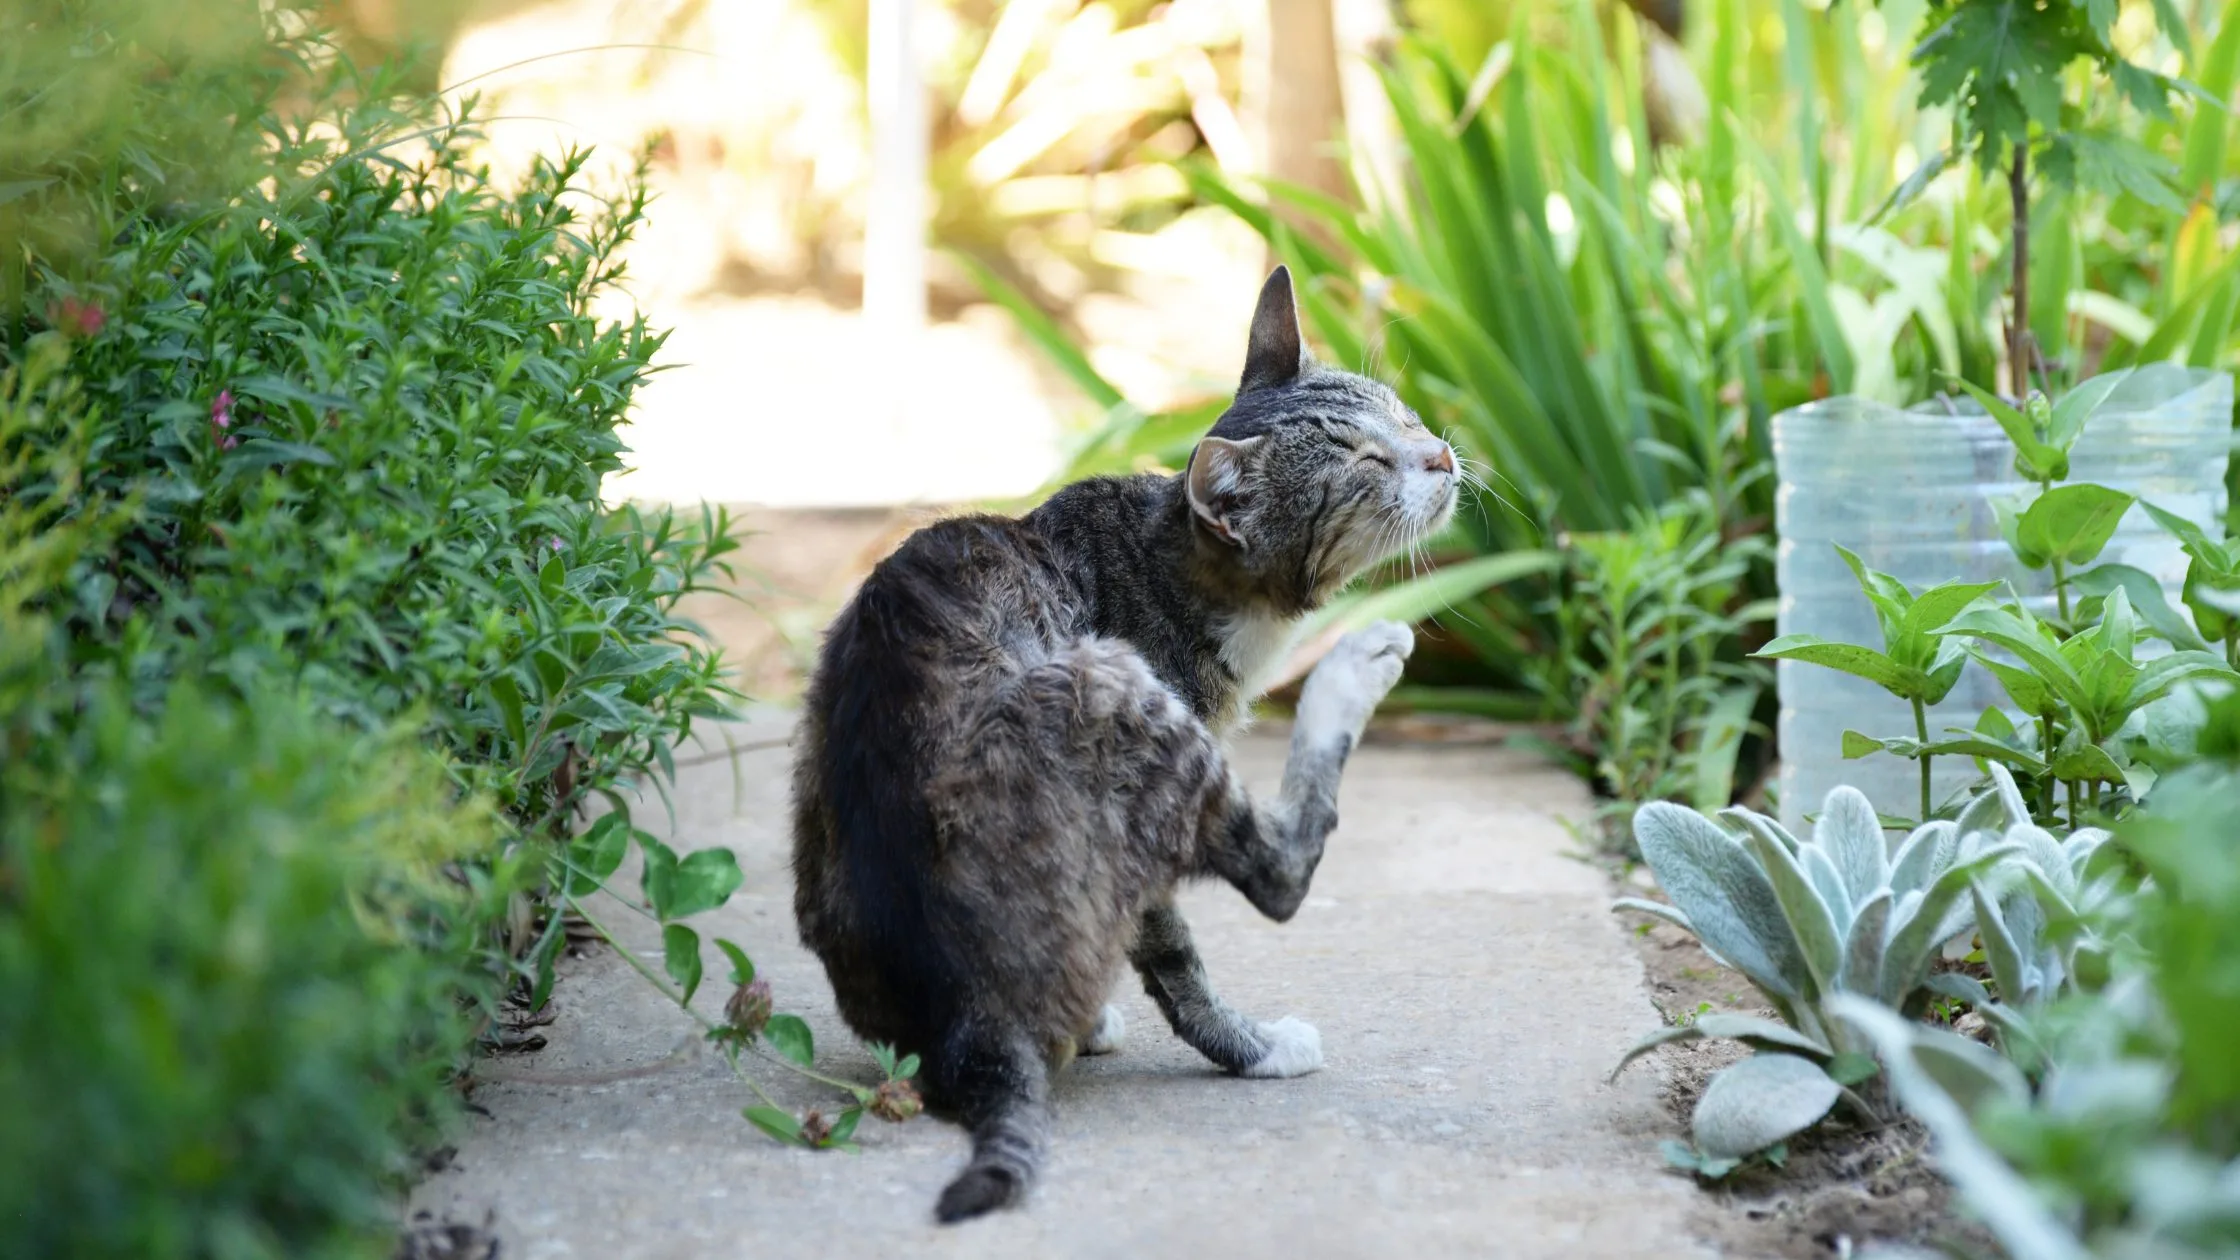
1842	1185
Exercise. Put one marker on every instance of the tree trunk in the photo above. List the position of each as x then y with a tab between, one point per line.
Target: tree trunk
1306	112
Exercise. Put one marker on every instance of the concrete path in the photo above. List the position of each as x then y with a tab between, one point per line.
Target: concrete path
1471	991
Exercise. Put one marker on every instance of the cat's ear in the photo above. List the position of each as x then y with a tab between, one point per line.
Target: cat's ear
1277	353
1215	483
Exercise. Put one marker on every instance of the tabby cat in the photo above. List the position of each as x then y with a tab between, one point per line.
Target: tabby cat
1012	749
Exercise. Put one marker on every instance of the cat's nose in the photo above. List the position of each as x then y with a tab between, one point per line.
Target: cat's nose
1440	459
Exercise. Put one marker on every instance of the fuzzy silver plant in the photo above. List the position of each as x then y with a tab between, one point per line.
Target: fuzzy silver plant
1806	921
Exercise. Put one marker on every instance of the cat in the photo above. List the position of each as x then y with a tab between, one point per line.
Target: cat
1011	750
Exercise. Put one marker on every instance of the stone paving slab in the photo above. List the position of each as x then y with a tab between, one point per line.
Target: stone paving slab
1470	987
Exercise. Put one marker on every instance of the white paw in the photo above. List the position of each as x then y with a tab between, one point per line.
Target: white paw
1294	1049
1346	685
1105	1037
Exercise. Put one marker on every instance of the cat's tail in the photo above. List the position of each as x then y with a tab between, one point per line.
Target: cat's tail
1000	1089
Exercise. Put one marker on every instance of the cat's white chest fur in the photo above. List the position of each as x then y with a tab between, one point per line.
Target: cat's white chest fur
1253	646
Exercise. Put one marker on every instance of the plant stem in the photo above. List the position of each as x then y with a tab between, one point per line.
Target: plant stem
2045	750
2072	783
1921	730
2018	332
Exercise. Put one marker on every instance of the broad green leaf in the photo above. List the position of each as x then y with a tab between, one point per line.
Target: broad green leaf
1725	896
1999	947
597	853
1811	919
1851	835
1850	658
2032	641
2147	598
2080	762
1940	604
1915	935
1889	596
1718	743
2078	406
680	949
778	1124
660	873
2191	536
2159	676
1958	744
705	879
742	967
507	695
2029	695
790	1037
1755	1103
1850	1069
1433	593
1862	948
843	1128
2070	524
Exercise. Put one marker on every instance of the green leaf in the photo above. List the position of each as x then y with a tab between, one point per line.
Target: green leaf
2029	695
507	694
2079	405
2147	598
1940	604
2156	678
907	1068
268	453
705	879
1760	1101
1044	332
1810	917
597	853
843	1128
2032	641
790	1037
778	1124
1850	1068
660	873
1850	658
1433	593
680	948
742	967
2037	458
2070	524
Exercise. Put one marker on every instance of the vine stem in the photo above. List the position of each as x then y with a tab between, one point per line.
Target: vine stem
2018	332
661	985
1921	730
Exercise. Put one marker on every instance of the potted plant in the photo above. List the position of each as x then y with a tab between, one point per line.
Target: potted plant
1931	494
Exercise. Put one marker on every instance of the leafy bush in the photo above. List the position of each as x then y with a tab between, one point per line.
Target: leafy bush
315	421
231	972
2128	1144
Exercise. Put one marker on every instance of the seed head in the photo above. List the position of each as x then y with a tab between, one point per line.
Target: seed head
749	1008
896	1101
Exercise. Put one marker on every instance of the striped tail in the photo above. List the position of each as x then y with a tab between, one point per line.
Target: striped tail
1002	1096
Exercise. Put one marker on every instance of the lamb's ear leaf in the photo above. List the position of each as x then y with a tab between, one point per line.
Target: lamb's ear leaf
1755	1103
1852	836
1215	477
1931	922
1277	351
1807	912
1755	1031
1726	898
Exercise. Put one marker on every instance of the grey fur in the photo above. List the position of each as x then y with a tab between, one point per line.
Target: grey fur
1013	753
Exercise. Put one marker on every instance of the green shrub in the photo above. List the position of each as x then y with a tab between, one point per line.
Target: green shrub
313	417
230	981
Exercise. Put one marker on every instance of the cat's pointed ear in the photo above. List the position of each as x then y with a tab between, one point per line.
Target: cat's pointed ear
1215	483
1277	353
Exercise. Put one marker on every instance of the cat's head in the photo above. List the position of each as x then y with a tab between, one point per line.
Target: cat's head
1314	473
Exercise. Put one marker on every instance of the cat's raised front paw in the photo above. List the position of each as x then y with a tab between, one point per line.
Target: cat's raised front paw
1294	1049
1346	685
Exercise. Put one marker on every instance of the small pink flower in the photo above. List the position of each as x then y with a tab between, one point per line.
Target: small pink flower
76	318
556	545
221	419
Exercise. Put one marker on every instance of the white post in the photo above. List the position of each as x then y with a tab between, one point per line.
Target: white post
894	245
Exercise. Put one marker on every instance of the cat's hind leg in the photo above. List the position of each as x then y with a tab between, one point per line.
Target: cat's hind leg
1105	1038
